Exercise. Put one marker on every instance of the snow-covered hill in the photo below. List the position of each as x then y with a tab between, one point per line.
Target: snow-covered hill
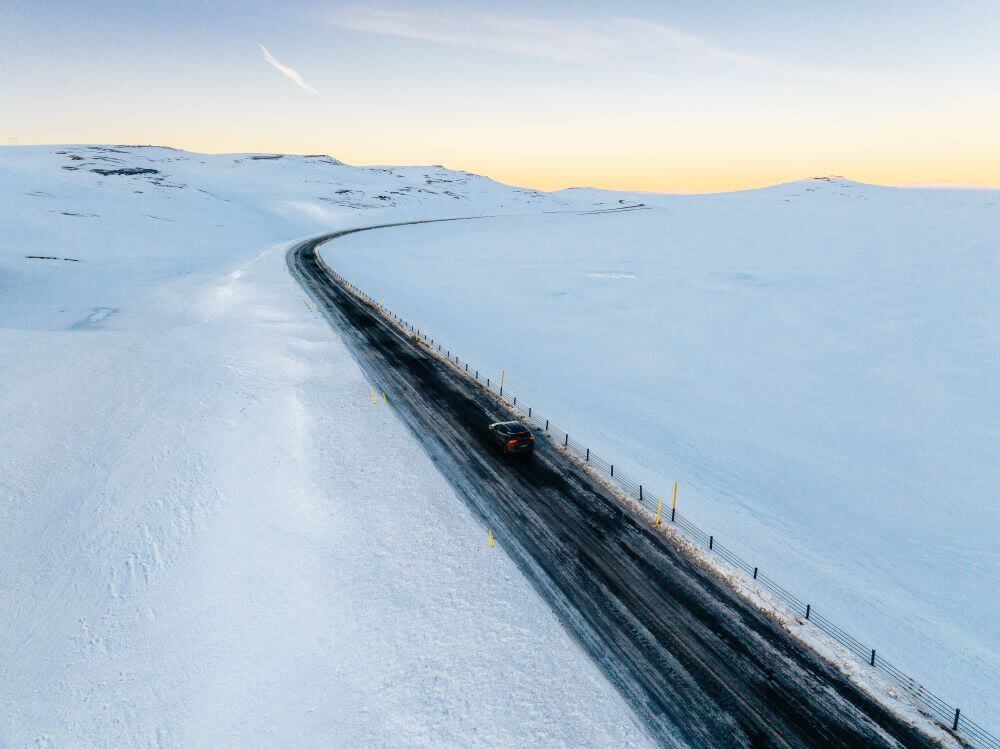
209	533
818	363
166	220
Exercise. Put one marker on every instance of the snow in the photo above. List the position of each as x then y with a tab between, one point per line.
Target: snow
209	535
817	363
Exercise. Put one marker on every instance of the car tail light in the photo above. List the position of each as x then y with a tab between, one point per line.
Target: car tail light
531	437
511	442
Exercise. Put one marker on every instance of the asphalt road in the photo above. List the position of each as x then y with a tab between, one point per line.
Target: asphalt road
698	664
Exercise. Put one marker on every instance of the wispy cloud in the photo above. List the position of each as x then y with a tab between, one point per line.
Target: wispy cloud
587	40
289	73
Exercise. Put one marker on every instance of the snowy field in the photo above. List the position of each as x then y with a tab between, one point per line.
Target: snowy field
817	363
209	535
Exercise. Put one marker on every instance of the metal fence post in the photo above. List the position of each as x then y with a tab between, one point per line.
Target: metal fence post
808	608
529	412
546	425
954	726
640	492
612	470
711	541
588	454
566	443
873	657
755	577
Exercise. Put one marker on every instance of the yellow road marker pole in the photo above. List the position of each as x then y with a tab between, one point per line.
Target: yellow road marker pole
659	510
384	399
491	539
374	402
673	510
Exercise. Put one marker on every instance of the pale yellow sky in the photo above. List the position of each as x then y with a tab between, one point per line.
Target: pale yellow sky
682	162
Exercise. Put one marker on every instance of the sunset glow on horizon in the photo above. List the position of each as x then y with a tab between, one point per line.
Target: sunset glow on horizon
650	97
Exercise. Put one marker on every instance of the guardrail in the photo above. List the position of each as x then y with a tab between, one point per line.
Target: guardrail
950	718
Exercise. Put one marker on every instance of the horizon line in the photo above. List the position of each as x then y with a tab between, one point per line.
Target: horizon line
934	184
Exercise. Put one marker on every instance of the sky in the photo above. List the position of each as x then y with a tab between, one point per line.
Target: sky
637	94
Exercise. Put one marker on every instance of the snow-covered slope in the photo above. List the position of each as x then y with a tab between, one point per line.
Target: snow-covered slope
165	220
818	363
209	534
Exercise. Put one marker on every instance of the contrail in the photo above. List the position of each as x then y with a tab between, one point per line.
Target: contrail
286	71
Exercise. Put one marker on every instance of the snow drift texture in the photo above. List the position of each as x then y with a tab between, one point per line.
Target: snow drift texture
209	536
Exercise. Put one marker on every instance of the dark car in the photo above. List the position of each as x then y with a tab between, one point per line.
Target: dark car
512	437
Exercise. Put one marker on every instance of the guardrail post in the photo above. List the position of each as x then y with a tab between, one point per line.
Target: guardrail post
612	470
515	401
588	454
467	366
566	442
477	374
808	608
873	657
546	425
954	726
755	577
711	542
640	492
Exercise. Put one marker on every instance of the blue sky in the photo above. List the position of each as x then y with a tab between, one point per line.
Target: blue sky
649	95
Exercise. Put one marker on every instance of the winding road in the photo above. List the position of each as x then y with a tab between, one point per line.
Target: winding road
699	665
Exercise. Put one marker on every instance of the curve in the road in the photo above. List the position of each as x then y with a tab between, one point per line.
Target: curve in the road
699	664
